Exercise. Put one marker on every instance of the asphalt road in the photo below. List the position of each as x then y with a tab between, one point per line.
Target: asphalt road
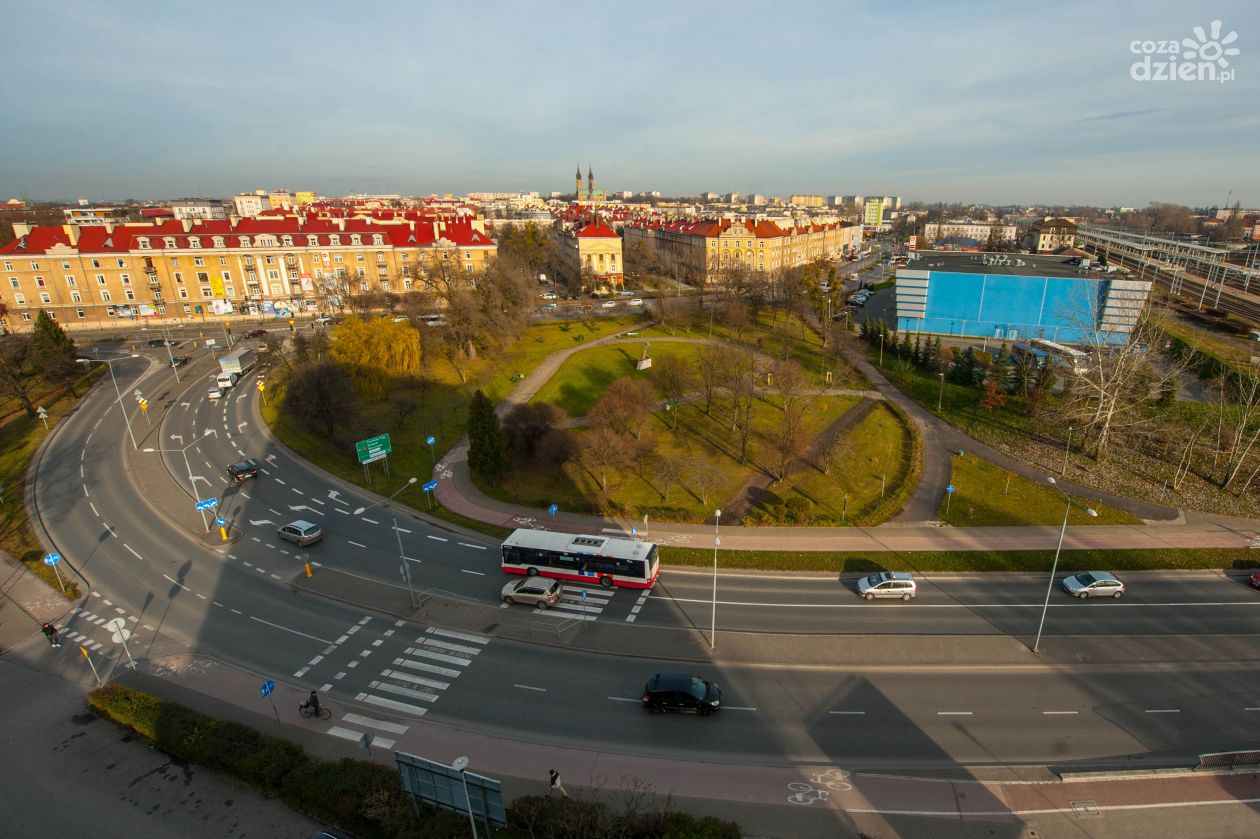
127	519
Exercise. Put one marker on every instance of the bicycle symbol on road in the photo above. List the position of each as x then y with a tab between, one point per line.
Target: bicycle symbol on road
807	793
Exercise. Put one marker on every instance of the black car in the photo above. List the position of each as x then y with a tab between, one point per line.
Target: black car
160	342
241	471
681	692
256	333
179	360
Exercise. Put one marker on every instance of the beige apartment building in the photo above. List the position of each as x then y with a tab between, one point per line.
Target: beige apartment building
592	257
703	251
1050	235
981	231
92	276
806	200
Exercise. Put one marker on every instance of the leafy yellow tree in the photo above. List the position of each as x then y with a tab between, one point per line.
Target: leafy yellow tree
375	351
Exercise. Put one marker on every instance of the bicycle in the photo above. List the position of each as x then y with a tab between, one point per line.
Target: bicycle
308	711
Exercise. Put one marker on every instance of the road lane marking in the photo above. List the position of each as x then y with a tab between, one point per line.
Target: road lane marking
477	573
1058	713
392	704
1163	710
93	506
736	708
474	547
369	521
461	636
436	538
178	583
1074	604
953	713
280	482
391	727
530	687
286	629
849	713
343	512
402	530
356	544
623	699
348	734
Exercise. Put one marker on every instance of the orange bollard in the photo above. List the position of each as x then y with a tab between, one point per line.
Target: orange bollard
223	533
308	570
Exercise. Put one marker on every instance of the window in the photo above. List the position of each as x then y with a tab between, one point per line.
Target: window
218	241
26	316
223	260
194	242
122	263
143	243
179	277
19	298
203	277
129	294
378	239
174	260
65	265
273	274
362	273
126	279
337	258
8	266
80	313
169	241
355	239
312	240
244	242
183	293
288	241
467	254
270	260
100	279
109	311
105	295
75	297
293	275
205	291
334	239
227	276
96	263
276	289
70	281
44	298
229	291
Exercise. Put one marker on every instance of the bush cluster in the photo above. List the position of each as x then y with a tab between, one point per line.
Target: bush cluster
365	798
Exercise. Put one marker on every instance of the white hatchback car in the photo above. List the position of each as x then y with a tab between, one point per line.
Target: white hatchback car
888	584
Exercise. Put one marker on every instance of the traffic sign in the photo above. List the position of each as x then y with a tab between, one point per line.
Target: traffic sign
41	412
373	448
949	488
208	504
430	439
553	509
267	687
220	521
430	486
52	559
261	386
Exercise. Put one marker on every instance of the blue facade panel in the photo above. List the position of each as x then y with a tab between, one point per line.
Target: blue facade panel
1009	307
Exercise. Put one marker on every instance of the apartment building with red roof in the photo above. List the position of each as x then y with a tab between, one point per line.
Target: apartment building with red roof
591	257
174	269
704	251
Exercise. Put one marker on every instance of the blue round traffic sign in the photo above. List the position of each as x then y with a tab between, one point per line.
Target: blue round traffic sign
52	559
267	687
553	509
949	488
430	439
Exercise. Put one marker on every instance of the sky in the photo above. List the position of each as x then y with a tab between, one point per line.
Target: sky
999	103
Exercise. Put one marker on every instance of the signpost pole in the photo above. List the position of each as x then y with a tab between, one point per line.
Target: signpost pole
52	559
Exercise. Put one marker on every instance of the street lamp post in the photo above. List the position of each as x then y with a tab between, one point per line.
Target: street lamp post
402	555
940	394
121	406
1067	449
881	349
459	765
717	520
192	484
1054	567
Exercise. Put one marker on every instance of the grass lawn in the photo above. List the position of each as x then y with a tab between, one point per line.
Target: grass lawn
876	455
20	436
940	561
699	437
583	378
986	494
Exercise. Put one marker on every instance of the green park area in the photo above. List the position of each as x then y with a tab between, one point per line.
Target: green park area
986	494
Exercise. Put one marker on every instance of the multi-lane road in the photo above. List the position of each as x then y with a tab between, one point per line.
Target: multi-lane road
126	518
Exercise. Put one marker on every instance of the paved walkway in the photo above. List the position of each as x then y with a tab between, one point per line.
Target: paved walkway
915	529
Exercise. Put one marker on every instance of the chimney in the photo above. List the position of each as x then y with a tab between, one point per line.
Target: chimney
21	228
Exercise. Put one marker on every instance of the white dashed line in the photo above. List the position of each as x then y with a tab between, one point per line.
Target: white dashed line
1059	713
953	713
133	551
356	544
1163	710
369	521
474	547
437	538
280	482
848	713
478	573
530	687
176	582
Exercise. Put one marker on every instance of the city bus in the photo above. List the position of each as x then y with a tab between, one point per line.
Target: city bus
583	559
1074	360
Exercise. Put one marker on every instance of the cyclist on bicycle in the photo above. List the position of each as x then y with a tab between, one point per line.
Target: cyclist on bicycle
312	703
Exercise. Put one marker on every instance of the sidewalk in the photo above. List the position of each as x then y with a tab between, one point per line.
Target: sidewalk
26	604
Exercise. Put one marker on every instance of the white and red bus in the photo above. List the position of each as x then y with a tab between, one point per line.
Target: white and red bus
582	559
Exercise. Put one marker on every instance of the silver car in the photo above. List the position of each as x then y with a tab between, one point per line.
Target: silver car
533	591
1093	584
888	584
301	533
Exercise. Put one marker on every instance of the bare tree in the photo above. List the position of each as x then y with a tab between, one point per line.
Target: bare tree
673	378
603	450
664	472
704	477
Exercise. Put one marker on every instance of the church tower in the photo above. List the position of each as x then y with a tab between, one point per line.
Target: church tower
578	191
590	181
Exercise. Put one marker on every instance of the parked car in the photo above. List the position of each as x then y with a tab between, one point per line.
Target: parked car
551	307
179	360
301	533
242	471
256	333
637	301
608	304
160	342
625	293
548	295
533	591
681	692
1255	579
323	320
1093	584
888	584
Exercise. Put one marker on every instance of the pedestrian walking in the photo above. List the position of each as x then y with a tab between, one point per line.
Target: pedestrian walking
556	786
50	632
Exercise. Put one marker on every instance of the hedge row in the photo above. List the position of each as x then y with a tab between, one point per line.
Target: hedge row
364	798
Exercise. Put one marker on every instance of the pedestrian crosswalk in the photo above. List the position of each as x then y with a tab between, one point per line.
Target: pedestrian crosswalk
416	678
578	603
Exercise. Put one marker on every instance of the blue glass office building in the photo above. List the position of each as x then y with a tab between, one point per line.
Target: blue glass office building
1017	296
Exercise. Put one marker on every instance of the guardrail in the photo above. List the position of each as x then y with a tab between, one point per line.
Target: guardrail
1219	761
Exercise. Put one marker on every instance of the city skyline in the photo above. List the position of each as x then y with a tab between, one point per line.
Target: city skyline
963	104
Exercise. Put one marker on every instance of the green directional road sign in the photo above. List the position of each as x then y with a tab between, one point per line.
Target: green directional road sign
373	448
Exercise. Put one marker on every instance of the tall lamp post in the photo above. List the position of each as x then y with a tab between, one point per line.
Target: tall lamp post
110	363
940	394
717	520
1055	565
192	484
402	556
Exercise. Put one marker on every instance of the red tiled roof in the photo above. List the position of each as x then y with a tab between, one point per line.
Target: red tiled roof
596	230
